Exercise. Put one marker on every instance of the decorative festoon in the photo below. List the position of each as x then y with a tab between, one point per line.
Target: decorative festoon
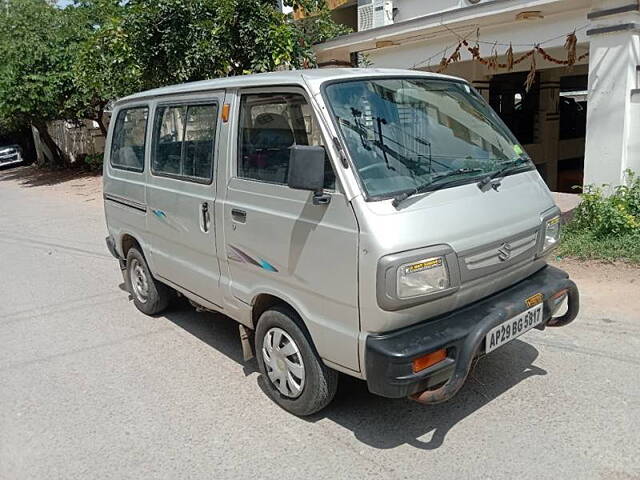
494	65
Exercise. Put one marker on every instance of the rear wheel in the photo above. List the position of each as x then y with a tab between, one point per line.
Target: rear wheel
149	295
296	377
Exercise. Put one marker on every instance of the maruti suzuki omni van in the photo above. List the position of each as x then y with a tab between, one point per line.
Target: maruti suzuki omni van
380	223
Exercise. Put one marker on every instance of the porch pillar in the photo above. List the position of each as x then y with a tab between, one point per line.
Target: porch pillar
613	117
547	132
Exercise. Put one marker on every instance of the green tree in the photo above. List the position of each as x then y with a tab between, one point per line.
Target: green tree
69	63
37	43
185	40
317	25
105	67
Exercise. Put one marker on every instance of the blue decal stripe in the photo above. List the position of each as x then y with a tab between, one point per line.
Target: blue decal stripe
267	266
259	263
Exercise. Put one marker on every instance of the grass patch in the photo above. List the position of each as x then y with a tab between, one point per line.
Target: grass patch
606	224
585	245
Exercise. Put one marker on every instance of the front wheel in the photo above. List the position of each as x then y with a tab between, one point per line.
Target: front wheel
296	378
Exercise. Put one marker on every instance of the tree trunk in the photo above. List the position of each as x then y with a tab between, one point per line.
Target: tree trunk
100	122
58	157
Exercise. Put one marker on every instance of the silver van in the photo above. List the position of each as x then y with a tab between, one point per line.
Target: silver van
380	223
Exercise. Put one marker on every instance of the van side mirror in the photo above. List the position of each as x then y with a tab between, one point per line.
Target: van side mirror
306	170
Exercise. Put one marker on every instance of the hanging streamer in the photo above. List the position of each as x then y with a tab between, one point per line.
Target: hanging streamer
531	78
510	58
570	44
492	62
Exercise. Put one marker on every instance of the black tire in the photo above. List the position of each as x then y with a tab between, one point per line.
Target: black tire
320	382
155	298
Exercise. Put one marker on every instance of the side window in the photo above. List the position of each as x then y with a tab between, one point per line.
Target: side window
170	122
269	125
128	143
199	138
184	141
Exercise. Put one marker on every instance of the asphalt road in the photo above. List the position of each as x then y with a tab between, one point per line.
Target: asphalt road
92	389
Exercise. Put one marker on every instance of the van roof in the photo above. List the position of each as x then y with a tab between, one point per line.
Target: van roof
313	77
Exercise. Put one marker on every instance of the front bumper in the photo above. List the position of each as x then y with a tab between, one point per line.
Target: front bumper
389	356
111	246
10	159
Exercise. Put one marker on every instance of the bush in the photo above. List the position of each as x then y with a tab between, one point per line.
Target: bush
94	162
606	226
610	216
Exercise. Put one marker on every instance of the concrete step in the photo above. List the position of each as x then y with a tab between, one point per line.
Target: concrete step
567	203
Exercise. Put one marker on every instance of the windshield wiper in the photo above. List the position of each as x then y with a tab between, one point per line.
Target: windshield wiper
433	185
510	166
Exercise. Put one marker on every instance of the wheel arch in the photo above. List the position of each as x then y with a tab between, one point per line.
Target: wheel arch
266	301
127	241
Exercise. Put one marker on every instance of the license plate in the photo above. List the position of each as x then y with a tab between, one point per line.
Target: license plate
513	328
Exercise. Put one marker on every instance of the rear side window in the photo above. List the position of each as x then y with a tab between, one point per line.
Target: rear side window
269	125
128	143
199	137
185	141
167	156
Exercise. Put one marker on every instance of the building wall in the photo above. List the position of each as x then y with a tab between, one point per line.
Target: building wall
612	123
421	53
408	9
75	140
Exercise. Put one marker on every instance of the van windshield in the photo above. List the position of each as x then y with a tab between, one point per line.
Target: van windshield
405	134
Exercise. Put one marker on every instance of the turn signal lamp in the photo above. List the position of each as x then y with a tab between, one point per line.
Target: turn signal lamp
428	360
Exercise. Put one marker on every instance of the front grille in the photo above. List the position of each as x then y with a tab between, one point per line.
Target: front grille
488	259
9	156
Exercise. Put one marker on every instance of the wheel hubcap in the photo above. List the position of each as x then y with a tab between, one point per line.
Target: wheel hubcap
283	362
139	281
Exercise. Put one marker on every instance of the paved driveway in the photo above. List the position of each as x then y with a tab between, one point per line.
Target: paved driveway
90	388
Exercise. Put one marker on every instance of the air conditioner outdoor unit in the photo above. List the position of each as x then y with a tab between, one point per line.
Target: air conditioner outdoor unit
374	13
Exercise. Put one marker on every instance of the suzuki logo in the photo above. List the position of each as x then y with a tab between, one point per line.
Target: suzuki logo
504	252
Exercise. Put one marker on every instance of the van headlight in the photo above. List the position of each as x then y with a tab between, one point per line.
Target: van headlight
423	277
551	233
417	276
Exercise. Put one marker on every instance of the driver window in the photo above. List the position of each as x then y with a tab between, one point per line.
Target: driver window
269	125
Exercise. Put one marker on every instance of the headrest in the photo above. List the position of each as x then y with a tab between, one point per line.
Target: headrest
271	121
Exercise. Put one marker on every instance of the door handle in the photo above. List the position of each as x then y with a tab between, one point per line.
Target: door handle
205	219
238	215
320	198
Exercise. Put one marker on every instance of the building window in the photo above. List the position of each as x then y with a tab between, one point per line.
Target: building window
128	143
515	106
573	106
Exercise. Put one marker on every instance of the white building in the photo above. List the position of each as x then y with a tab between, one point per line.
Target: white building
578	124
